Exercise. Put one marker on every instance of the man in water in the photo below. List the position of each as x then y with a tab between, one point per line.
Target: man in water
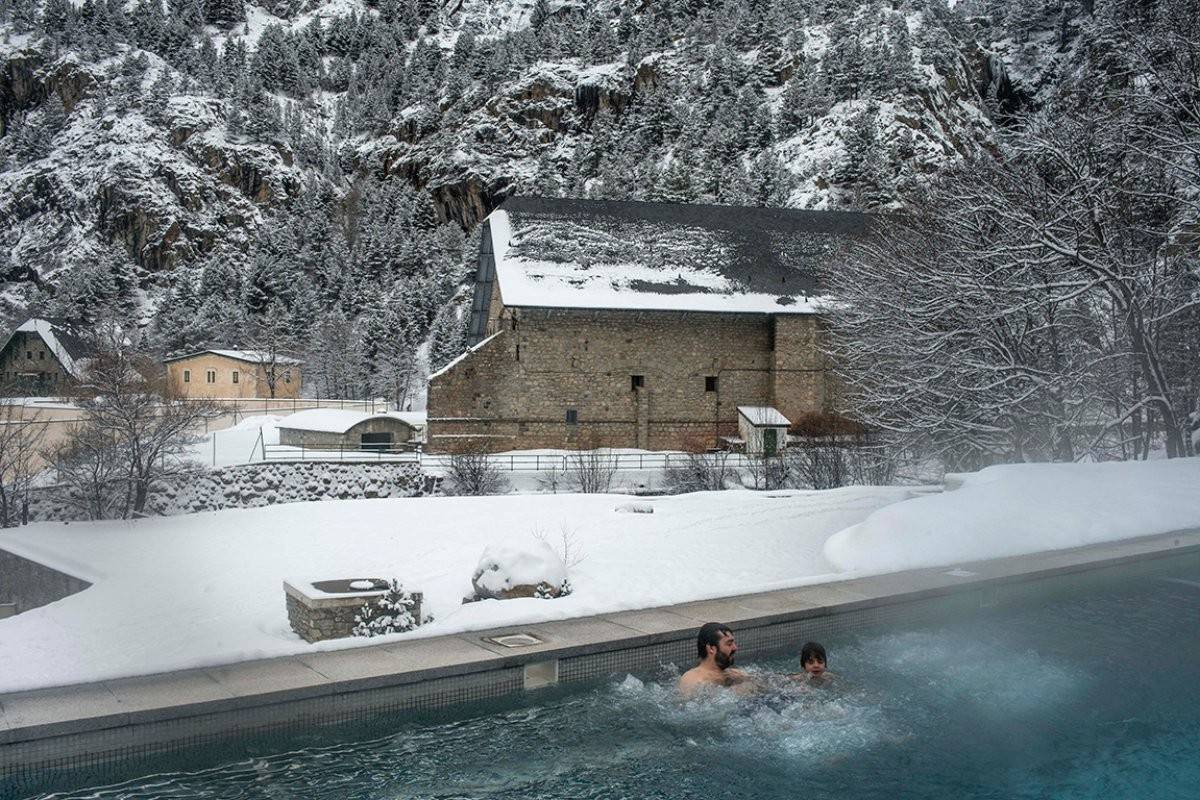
716	649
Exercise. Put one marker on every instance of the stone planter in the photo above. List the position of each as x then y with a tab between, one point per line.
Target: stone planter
320	610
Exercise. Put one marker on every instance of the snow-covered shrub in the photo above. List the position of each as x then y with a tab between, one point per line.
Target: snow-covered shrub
505	572
545	591
829	462
591	471
635	508
550	480
765	472
474	474
391	612
700	472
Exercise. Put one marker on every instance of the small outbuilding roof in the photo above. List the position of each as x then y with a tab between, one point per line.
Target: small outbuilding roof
601	254
339	420
249	356
763	416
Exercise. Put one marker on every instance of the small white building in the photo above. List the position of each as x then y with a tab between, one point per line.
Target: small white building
334	429
763	429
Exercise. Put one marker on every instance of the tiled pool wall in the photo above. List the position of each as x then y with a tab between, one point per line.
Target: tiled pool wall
117	753
26	584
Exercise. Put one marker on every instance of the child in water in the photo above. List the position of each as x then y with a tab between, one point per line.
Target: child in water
813	661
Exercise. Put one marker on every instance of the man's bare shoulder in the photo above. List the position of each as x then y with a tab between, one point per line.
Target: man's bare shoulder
693	679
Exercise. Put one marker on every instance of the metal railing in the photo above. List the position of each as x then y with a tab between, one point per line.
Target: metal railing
509	462
373	453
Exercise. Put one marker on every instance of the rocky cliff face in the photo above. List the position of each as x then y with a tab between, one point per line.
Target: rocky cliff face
161	192
99	164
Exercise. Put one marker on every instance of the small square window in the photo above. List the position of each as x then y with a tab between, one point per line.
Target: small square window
235	376
636	382
187	376
710	383
572	416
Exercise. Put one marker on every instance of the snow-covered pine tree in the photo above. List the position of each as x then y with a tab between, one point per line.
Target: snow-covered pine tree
391	612
224	13
448	337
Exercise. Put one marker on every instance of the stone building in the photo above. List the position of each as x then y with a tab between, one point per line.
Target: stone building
333	429
624	324
44	357
231	374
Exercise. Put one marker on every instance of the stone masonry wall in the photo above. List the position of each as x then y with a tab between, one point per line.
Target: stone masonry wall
515	390
256	485
332	619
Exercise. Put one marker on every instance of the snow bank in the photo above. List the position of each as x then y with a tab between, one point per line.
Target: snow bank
1023	508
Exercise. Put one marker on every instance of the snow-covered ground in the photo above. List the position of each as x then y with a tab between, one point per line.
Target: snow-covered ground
239	444
186	591
205	589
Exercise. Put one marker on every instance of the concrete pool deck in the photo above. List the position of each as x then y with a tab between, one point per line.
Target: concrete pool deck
109	721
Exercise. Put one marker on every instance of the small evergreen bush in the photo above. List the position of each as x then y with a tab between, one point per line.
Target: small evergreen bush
392	612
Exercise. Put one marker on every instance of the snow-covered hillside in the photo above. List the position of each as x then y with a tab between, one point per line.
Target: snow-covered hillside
188	165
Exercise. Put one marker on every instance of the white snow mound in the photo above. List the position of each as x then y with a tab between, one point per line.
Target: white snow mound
1023	508
502	567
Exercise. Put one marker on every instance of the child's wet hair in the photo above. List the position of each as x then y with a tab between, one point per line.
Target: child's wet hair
812	651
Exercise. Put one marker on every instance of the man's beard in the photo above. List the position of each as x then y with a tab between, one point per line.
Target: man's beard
722	661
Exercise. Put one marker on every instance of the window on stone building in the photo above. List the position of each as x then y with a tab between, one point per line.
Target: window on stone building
187	376
710	383
636	382
235	376
29	355
210	376
572	416
41	355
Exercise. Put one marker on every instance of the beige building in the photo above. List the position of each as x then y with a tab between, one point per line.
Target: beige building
232	374
44	357
621	324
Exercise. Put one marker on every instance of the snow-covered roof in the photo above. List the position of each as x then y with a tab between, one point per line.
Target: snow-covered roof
337	420
249	356
69	345
600	254
763	416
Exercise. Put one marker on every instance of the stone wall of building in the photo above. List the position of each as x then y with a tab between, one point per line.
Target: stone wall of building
517	389
802	384
27	584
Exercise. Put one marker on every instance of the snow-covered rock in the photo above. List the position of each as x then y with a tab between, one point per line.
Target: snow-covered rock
509	571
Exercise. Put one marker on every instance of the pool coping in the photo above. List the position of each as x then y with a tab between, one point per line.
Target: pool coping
40	715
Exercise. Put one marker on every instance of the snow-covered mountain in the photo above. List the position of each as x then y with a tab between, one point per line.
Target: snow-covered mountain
189	163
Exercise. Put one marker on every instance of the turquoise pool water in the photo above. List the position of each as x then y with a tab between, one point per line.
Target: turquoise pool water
1087	697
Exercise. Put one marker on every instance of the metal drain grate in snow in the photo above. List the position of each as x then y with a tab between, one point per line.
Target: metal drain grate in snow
515	640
